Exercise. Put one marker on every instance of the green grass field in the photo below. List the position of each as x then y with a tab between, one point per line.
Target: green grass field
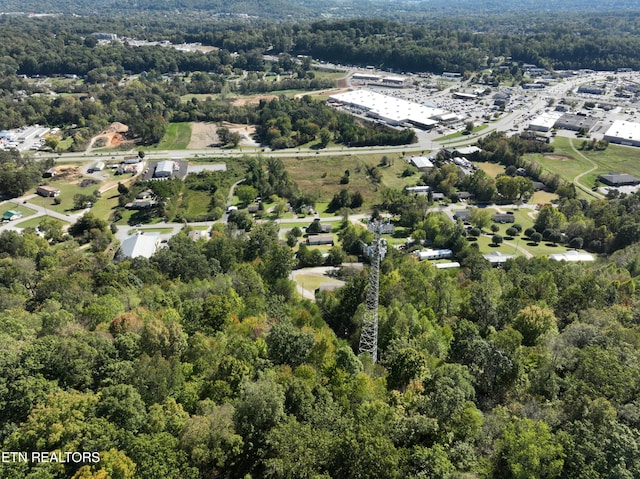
133	231
194	203
311	282
106	204
33	222
509	246
331	75
543	197
491	169
67	191
177	137
569	163
8	205
459	134
320	176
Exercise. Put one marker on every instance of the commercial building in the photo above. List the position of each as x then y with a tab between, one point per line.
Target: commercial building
421	162
545	122
467	150
465	96
575	122
365	77
613	179
533	86
591	89
163	169
623	133
387	109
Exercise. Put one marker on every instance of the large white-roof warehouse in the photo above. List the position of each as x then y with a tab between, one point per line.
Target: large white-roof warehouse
624	133
394	111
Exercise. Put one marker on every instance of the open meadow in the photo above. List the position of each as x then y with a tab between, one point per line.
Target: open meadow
177	137
320	176
568	161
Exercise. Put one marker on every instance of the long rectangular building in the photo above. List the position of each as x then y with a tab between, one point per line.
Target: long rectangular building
623	133
545	121
394	111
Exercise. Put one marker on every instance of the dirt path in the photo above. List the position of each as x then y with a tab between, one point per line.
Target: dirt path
252	100
576	180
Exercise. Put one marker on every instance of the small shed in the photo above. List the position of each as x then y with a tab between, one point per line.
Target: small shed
11	215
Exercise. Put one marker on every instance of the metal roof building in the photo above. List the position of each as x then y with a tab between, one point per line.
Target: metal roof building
624	133
622	179
545	122
497	258
164	169
139	245
571	255
421	162
394	111
575	122
430	254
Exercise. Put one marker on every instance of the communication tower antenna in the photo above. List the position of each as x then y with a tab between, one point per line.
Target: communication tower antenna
369	334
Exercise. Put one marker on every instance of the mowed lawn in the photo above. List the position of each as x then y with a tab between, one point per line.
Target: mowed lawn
491	169
8	205
33	222
568	163
544	248
177	137
67	191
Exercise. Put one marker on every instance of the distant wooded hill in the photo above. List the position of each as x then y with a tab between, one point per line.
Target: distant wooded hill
326	8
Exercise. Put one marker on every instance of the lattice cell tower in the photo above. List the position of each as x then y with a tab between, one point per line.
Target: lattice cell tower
369	334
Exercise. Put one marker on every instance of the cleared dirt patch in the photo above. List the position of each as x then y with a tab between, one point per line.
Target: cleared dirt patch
68	172
560	157
246	132
113	136
203	135
252	100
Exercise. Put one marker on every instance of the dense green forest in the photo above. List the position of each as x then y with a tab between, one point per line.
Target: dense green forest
203	362
281	9
62	45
